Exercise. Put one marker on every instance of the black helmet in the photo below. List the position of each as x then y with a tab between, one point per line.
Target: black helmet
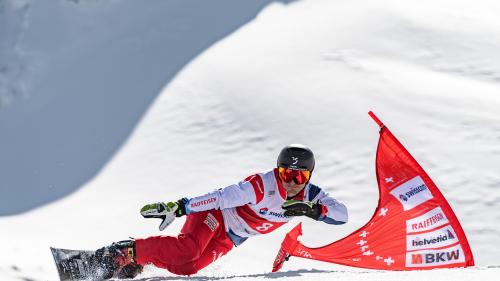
296	156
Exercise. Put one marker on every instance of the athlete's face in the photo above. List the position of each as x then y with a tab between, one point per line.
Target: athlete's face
292	188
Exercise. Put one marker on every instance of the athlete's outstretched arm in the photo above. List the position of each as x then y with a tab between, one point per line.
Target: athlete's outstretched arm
245	192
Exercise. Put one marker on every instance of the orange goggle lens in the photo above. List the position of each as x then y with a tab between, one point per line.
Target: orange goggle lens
298	176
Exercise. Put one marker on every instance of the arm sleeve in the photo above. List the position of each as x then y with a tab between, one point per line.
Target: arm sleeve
334	212
245	192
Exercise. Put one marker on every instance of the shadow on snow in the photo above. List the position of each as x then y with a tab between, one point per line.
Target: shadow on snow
76	119
275	275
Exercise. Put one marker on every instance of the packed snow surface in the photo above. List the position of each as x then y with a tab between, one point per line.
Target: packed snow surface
109	105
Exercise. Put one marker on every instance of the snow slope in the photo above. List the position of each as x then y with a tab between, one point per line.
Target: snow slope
303	72
78	75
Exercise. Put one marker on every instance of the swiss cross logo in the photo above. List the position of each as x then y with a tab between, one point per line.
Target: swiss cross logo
361	242
389	261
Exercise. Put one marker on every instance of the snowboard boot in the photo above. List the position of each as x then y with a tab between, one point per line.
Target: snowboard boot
118	260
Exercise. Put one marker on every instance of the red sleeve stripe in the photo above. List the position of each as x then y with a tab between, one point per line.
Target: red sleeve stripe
258	187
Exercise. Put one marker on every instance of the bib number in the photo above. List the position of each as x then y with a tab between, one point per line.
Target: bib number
264	227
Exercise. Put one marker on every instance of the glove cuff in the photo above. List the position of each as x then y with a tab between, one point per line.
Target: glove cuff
181	211
316	211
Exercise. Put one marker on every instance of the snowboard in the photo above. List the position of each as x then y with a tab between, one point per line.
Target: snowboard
73	265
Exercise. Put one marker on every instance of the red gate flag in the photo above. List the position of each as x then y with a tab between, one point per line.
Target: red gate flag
413	226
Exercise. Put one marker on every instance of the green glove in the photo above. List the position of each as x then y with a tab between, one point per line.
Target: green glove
167	212
302	208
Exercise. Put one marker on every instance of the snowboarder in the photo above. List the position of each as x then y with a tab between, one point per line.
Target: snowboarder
222	219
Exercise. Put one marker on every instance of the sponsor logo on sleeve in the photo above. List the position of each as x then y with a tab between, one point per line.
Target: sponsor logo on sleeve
412	193
430	220
428	258
442	237
202	202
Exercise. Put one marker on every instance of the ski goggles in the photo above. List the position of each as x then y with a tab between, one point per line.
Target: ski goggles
298	176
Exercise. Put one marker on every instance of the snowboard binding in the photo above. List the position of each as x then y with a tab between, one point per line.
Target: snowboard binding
116	260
